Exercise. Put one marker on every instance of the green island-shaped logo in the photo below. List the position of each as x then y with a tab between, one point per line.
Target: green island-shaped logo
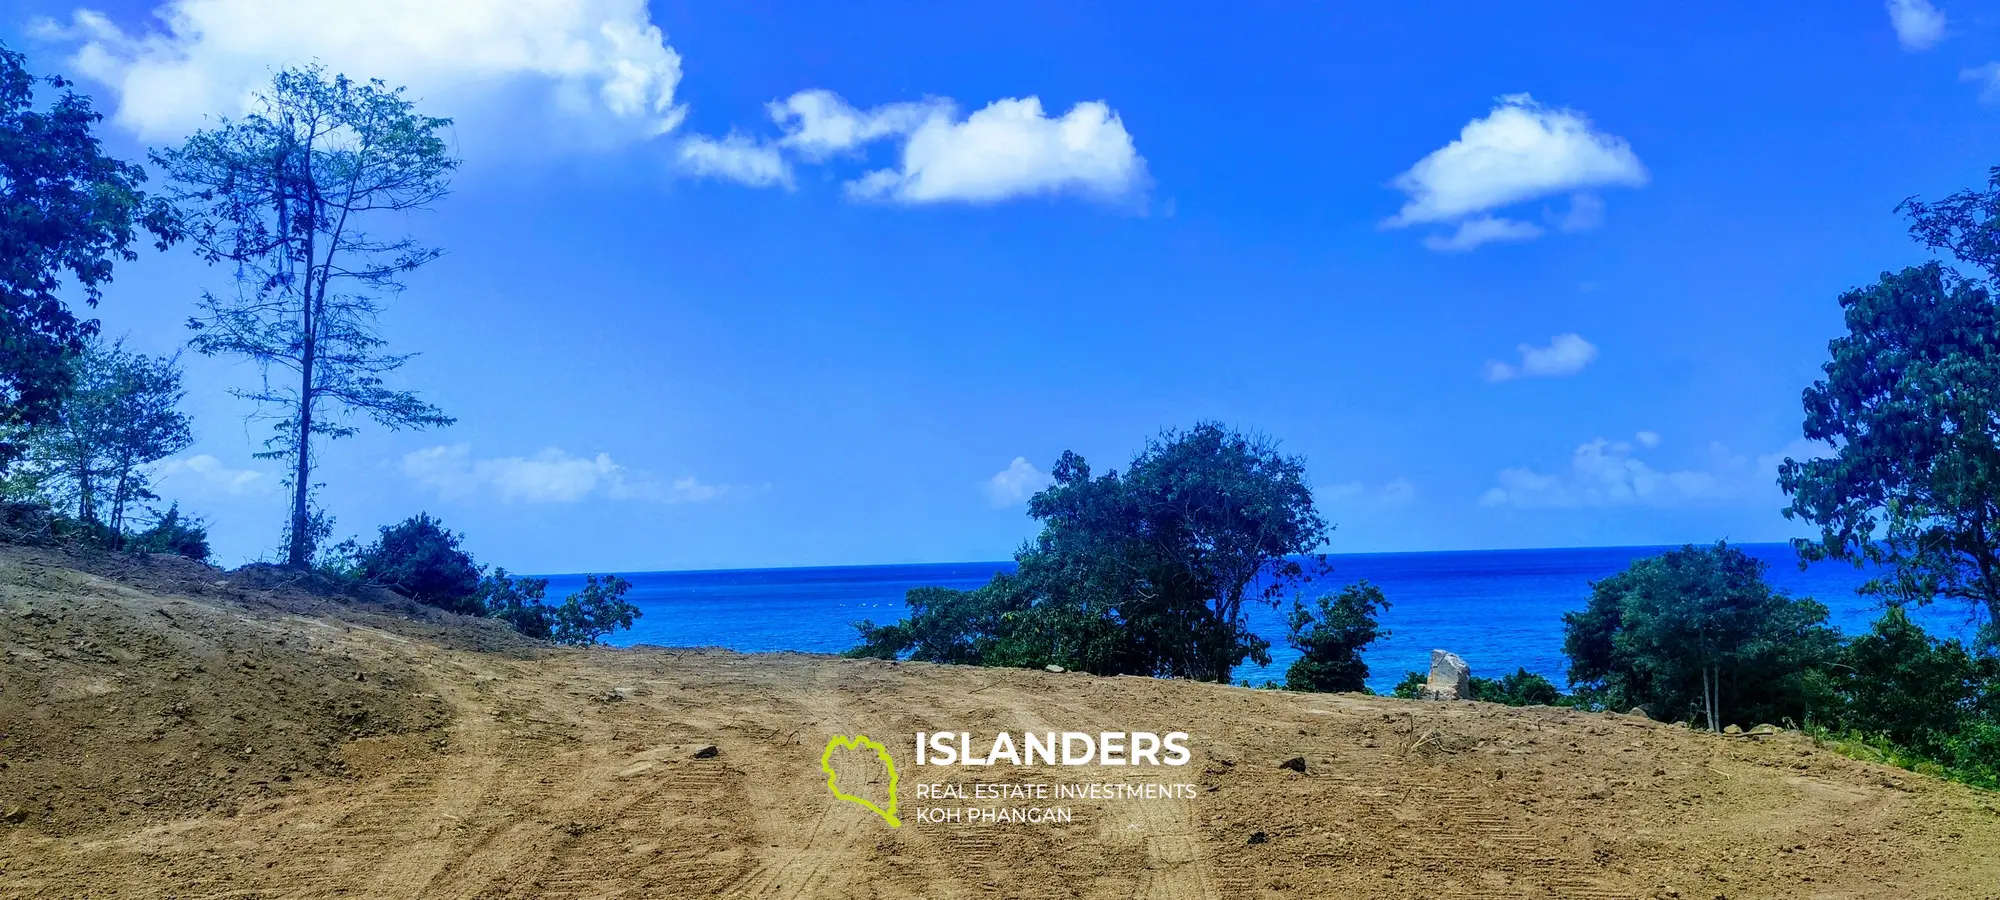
858	742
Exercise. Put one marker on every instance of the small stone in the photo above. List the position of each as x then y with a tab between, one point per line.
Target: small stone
1733	729
708	752
1052	667
1258	837
1296	764
1764	729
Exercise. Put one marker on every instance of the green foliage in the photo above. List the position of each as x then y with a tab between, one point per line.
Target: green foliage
518	602
1900	683
66	209
1145	573
1411	687
1698	633
285	196
1910	404
1523	688
172	533
1330	642
420	559
600	608
121	415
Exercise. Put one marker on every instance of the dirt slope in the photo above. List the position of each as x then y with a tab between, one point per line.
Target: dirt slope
168	731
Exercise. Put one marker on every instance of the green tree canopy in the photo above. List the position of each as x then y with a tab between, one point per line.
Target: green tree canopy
1147	572
287	196
1330	640
1910	405
66	210
1698	633
121	415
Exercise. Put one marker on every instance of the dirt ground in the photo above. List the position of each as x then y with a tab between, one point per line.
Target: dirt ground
167	730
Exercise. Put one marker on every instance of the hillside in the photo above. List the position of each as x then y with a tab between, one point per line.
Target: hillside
168	730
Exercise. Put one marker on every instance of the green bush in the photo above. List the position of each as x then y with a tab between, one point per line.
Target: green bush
1523	688
598	609
172	534
518	602
420	559
1330	642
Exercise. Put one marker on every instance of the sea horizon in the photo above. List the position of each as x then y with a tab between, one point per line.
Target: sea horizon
1499	609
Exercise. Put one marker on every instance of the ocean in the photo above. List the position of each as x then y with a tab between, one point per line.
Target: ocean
1499	609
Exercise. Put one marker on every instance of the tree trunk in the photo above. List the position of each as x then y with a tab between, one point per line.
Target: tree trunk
299	553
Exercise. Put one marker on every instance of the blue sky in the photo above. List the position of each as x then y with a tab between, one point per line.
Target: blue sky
681	331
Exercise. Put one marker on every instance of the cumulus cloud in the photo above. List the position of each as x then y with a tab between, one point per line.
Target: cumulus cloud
818	123
1648	438
736	158
1566	354
600	62
1010	149
203	472
1519	151
1605	473
1012	486
1918	24
551	476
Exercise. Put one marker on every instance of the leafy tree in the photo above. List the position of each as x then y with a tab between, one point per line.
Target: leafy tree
1910	403
1902	684
286	195
65	209
172	533
1145	573
1330	643
1698	632
518	602
600	608
595	610
1523	688
122	415
420	559
1411	687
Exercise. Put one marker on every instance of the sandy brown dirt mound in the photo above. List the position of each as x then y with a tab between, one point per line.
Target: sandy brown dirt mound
655	773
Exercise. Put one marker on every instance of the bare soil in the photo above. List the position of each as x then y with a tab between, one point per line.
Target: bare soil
170	730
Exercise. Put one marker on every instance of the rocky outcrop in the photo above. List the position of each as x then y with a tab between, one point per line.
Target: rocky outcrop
1450	679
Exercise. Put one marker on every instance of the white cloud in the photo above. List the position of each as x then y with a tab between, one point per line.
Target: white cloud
1566	354
818	123
1586	211
1483	230
1605	474
1648	438
1988	79
1601	473
1010	149
205	472
1918	24
1520	151
1013	485
736	158
1399	492
551	476
600	63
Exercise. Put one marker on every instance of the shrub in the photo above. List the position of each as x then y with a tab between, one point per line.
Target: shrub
1523	688
597	610
518	602
1330	643
420	559
173	534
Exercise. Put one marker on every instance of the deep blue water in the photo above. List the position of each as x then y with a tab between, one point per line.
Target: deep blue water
1500	609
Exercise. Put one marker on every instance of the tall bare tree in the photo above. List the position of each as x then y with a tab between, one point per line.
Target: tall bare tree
286	194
